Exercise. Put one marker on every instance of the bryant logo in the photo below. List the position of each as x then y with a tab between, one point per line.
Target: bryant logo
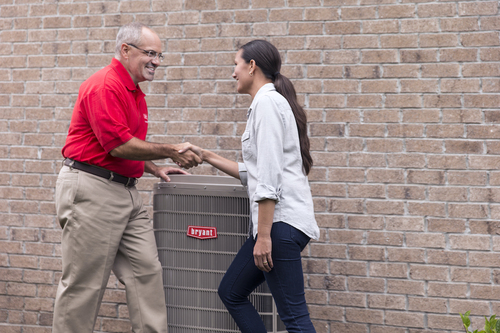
202	232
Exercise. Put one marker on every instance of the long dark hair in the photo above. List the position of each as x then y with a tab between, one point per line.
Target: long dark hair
268	59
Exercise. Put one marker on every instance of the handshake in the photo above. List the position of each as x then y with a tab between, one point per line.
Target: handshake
187	155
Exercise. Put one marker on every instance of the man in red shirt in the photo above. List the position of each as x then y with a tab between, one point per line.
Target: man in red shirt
105	225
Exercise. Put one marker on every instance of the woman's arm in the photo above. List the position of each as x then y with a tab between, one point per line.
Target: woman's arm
263	245
221	163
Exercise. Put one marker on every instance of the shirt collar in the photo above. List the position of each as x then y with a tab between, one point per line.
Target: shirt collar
264	89
124	75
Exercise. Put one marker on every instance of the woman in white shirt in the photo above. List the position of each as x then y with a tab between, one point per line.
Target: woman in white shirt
275	149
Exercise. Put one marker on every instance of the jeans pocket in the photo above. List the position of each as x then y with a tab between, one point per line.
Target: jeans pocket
299	237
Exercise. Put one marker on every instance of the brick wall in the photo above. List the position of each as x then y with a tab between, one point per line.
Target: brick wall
403	100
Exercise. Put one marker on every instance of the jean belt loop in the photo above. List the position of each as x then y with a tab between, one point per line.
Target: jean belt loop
71	164
111	176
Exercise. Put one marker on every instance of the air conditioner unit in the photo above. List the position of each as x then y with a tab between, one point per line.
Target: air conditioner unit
189	212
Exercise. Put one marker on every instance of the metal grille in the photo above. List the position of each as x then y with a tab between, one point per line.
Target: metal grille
193	268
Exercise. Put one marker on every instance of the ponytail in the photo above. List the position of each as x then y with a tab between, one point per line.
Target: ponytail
268	59
286	88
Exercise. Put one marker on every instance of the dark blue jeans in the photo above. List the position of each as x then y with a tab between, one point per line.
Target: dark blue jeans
285	280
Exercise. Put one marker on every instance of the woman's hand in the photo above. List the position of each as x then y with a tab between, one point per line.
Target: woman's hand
184	147
262	253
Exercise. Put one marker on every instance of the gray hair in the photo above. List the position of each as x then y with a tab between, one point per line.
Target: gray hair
129	33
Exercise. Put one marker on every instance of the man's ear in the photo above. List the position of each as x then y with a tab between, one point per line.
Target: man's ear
124	51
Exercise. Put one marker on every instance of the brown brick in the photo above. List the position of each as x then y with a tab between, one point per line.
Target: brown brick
380	116
481	259
490	23
342	145
466	178
398	41
361	41
483	292
468	210
419	115
418	55
364	101
459	24
346	175
364	315
380	26
438	40
406	192
453	55
347	299
388	270
348	328
436	10
480	39
324	71
406	255
490	54
397	11
478	275
403	101
405	287
440	70
348	268
366	191
477	8
365	284
400	70
420	25
436	305
442	289
328	251
385	238
462	116
484	101
342	28
379	56
409	319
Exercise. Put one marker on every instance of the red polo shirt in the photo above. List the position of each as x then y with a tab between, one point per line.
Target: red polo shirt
109	111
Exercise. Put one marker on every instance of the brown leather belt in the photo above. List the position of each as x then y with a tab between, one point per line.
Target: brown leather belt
100	172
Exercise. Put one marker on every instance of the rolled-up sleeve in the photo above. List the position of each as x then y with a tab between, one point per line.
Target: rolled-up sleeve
269	136
242	170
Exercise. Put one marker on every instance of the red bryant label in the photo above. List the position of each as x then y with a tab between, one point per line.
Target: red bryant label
201	232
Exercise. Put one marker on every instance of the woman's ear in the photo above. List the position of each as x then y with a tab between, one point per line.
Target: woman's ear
252	66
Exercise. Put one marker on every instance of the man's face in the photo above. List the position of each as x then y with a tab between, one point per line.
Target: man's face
140	66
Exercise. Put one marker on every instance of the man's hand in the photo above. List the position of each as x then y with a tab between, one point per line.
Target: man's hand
185	156
162	172
195	149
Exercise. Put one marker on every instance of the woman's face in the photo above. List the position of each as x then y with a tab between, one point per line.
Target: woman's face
241	74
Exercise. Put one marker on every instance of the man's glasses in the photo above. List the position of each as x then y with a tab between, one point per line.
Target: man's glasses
151	54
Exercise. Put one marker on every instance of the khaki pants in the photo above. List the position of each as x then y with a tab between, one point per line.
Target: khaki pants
105	227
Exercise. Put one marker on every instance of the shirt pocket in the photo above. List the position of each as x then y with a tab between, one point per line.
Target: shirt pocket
246	145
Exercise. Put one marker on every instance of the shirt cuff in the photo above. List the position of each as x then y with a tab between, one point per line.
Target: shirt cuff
242	170
264	191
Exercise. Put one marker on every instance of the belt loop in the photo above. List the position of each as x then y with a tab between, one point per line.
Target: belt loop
111	175
71	163
129	183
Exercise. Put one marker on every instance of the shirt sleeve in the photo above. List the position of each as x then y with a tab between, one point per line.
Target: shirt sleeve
269	136
242	170
108	119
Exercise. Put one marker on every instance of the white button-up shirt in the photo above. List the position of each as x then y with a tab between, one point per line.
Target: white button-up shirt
272	167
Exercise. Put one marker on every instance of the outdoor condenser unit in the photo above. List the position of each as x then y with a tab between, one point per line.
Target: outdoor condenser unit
200	224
